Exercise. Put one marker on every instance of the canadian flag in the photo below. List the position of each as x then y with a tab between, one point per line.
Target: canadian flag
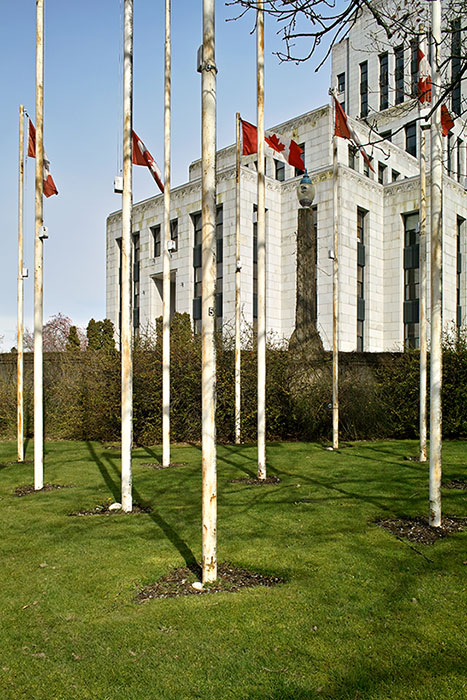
286	148
424	76
49	184
343	129
141	156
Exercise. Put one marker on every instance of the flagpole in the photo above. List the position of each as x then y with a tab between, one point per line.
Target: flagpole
237	289
335	289
126	320
208	311
423	292
166	259
436	276
39	256
20	293
261	231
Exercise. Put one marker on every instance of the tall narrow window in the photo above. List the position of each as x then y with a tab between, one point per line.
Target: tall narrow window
460	229
366	166
399	73
297	170
198	270
352	150
383	81
411	138
279	167
156	237
341	82
361	216
136	278
119	246
364	89
449	154
411	281
382	170
460	173
414	67
174	234
456	65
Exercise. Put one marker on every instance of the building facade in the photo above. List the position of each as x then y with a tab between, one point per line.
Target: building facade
379	253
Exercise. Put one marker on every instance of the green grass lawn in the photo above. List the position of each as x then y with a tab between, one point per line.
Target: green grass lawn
362	615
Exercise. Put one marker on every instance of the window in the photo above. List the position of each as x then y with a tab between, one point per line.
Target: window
456	65
399	73
119	246
366	166
394	175
156	236
174	233
364	89
411	138
387	135
414	67
383	81
341	82
198	269
361	225
460	230
449	154
279	167
382	169
459	160
352	156
297	170
136	276
411	281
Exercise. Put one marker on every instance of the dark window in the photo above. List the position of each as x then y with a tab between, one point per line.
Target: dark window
460	230
394	175
414	67
399	73
198	270
352	156
297	170
411	280
341	82
459	160
279	166
364	89
456	66
156	236
449	154
366	166
136	276
387	135
361	225
382	173
119	246
411	138
174	233
383	81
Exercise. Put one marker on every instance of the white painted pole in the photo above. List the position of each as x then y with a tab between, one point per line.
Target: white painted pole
208	311
39	256
166	255
423	292
436	275
335	291
238	340
20	294
126	305
261	231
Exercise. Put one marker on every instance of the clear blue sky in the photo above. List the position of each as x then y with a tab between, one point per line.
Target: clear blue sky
82	130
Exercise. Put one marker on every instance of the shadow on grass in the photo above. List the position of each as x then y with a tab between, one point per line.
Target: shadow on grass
114	487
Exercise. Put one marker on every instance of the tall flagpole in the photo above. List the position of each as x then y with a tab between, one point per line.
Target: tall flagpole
39	256
208	293
20	293
436	275
335	289
126	306
261	231
166	254
423	292
238	268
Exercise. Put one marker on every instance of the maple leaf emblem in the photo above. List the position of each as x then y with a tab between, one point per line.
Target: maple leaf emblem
274	142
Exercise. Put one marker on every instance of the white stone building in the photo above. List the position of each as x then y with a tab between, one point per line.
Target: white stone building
379	251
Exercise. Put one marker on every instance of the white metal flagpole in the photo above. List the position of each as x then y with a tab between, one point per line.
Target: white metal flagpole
208	293
238	268
39	256
436	275
20	294
126	306
261	231
166	254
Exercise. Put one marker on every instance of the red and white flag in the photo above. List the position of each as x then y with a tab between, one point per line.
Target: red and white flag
49	184
141	156
424	75
286	148
343	129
